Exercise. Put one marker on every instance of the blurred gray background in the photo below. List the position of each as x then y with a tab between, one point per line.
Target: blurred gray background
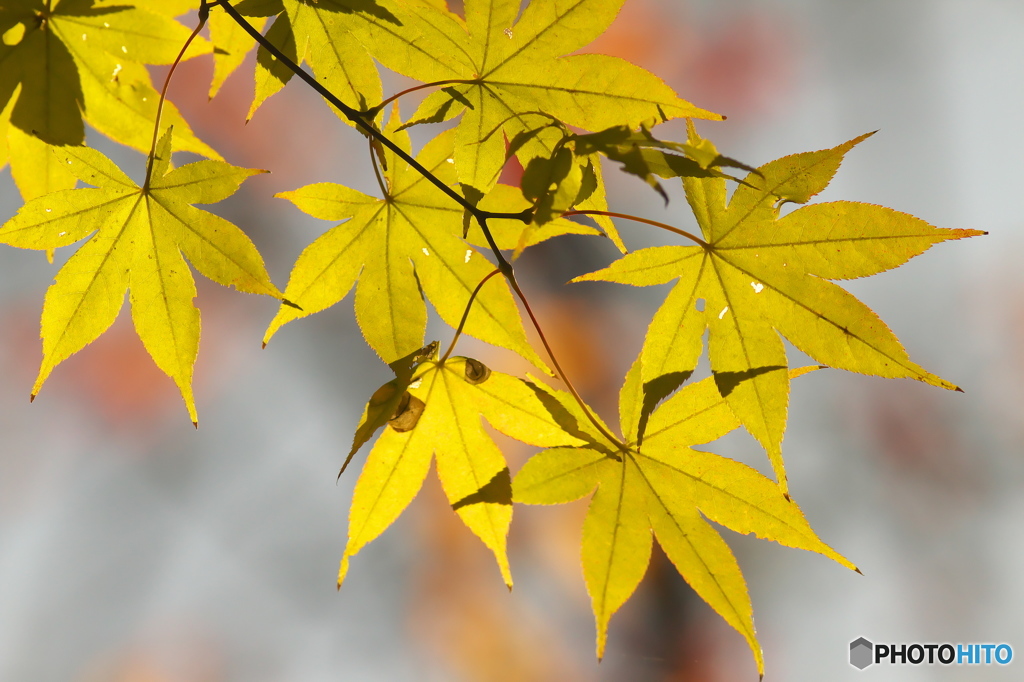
134	548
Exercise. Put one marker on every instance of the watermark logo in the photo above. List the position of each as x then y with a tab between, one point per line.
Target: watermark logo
863	653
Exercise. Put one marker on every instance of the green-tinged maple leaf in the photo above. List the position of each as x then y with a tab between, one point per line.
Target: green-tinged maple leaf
667	487
562	168
72	60
509	68
512	234
556	178
440	416
648	158
758	274
555	184
139	238
397	247
320	34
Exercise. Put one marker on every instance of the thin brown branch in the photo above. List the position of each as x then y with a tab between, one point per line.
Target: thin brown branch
360	119
365	123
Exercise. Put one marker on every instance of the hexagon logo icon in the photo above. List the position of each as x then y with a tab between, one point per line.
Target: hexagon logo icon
860	653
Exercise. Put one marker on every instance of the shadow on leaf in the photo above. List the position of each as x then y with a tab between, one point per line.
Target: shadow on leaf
655	391
728	381
567	421
353	6
497	491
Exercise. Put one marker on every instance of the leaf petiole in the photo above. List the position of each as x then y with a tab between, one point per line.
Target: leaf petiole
561	373
204	13
422	86
376	171
465	315
655	223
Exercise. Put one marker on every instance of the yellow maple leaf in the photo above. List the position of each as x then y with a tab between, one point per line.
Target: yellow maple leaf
320	34
139	236
755	275
403	244
664	486
440	416
231	45
506	68
77	60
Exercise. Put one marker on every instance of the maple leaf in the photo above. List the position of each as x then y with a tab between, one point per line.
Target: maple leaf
440	416
664	486
646	157
139	235
756	274
563	171
321	34
386	401
556	178
231	43
398	246
506	68
75	59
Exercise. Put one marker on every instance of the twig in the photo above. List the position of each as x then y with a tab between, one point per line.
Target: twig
360	119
